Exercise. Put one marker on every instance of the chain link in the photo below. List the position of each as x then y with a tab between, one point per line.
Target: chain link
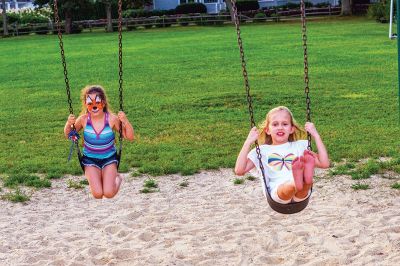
306	79
67	87
120	81
64	63
247	86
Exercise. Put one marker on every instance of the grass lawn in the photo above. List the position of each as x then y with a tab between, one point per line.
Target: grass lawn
184	92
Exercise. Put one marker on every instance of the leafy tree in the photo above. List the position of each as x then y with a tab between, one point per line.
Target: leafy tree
138	4
4	15
108	5
66	7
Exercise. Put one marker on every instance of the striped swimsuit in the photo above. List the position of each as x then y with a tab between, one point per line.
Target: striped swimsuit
98	145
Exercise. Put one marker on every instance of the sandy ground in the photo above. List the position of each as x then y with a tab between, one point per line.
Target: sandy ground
210	222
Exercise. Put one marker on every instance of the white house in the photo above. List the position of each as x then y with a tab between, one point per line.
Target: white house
14	4
214	6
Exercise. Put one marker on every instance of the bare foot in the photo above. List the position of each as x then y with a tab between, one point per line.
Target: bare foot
309	164
298	172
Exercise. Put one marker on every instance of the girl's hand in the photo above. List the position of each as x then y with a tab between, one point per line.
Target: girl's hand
122	117
71	120
310	128
253	135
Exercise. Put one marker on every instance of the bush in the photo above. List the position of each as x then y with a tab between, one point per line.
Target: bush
41	29
164	21
184	20
260	17
75	28
191	8
247	5
131	26
380	12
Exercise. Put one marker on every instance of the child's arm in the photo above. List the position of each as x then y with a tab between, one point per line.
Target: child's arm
127	128
243	164
321	158
72	121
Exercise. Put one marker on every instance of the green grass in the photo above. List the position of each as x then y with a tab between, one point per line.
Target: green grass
359	186
251	178
395	185
75	184
16	196
15	180
183	92
238	181
149	186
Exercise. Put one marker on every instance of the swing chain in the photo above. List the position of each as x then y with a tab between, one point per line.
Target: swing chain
120	81
64	63
120	53
247	86
306	79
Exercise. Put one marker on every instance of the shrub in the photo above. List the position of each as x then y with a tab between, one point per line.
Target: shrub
246	5
191	8
132	25
380	12
164	21
184	20
41	29
260	17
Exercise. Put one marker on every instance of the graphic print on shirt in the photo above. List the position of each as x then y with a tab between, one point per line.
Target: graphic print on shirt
277	161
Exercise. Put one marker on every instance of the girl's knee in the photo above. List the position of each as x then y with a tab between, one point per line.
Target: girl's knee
108	193
97	195
286	191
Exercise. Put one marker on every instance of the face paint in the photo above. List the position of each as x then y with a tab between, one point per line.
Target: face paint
94	105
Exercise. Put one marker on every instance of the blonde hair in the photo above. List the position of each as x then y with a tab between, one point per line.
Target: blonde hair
89	89
263	138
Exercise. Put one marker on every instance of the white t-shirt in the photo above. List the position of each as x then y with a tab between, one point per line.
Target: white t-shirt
277	161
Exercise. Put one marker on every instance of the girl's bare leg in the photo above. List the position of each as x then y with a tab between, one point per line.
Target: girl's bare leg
93	175
111	180
298	172
309	164
286	191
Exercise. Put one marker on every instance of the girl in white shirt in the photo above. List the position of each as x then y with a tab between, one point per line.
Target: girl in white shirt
288	164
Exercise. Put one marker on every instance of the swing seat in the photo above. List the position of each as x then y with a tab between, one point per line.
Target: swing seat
290	208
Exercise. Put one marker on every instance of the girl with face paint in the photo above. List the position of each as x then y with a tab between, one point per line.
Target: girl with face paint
99	152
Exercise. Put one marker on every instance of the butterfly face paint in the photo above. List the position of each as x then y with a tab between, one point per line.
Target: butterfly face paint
94	105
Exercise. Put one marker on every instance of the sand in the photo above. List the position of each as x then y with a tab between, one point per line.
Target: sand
210	222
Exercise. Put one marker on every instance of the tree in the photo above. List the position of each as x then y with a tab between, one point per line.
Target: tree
346	7
108	4
4	15
66	7
138	4
229	7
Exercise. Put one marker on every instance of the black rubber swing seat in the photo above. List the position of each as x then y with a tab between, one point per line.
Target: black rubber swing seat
290	208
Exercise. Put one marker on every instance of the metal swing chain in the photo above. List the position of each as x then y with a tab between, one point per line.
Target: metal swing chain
247	86
306	79
120	81
64	63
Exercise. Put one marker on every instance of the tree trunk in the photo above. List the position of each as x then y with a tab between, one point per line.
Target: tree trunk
346	8
5	26
229	7
109	17
68	21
